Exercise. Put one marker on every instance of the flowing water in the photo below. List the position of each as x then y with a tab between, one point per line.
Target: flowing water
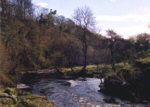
81	92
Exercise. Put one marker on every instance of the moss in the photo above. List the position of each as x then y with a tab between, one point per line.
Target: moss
10	91
34	101
19	98
6	102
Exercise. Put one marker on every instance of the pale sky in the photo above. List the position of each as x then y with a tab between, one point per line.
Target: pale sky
126	17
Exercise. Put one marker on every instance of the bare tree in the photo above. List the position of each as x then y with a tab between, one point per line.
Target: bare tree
83	17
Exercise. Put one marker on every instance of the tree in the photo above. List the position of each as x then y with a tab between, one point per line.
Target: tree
113	38
142	42
23	8
83	17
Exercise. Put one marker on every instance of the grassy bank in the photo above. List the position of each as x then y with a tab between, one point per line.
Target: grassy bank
11	97
104	70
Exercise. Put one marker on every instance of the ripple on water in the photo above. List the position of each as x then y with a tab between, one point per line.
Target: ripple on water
75	93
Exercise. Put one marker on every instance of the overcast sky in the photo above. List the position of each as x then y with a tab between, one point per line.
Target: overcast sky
126	17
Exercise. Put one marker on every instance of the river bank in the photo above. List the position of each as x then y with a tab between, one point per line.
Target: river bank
13	97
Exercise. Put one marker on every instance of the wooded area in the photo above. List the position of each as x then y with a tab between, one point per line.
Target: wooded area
33	38
30	41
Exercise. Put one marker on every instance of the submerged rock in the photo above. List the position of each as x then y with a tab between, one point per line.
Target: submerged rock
111	100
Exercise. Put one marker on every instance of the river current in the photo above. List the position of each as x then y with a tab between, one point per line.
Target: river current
81	92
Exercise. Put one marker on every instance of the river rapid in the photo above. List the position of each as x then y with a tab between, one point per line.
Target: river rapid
80	92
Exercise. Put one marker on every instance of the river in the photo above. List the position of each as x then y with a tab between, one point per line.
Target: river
81	92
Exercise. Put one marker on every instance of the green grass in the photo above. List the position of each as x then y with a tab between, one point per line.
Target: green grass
19	98
144	60
104	69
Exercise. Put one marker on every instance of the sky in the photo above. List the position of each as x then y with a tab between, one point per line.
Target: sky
126	17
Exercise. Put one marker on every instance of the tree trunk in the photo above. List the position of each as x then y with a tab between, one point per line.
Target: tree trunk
112	58
84	51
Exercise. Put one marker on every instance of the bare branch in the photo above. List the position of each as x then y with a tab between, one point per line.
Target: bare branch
84	17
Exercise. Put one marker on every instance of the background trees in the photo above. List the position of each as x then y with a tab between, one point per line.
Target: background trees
31	41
